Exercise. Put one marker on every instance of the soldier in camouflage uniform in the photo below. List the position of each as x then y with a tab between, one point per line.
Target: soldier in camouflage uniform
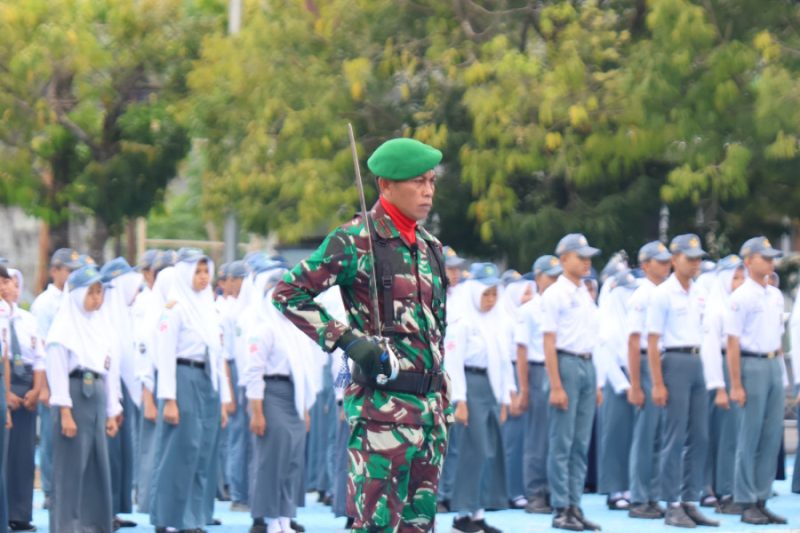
399	430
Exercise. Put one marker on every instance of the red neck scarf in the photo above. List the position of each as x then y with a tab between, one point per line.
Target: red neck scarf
406	226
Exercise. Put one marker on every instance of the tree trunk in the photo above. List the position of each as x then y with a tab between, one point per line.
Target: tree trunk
98	240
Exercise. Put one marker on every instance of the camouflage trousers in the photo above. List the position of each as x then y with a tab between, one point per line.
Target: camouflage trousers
394	476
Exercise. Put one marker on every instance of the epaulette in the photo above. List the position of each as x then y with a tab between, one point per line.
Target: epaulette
171	304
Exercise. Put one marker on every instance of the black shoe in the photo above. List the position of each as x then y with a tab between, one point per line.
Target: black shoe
350	522
297	527
486	528
726	505
676	516
772	517
564	520
643	510
587	524
538	505
654	505
443	506
21	526
215	522
119	522
708	501
618	504
698	517
465	525
753	515
321	495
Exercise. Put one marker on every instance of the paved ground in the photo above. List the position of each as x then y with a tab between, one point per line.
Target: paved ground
318	519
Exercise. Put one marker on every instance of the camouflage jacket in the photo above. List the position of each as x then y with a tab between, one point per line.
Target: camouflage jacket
419	295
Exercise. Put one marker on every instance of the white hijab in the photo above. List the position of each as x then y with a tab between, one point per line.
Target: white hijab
117	310
494	329
82	332
197	308
512	296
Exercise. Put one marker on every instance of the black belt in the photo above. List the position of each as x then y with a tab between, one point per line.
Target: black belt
586	356
191	362
475	370
535	363
277	377
409	382
79	373
688	350
760	355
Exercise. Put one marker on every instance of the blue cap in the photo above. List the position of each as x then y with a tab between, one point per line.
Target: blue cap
251	259
83	277
163	260
548	265
451	258
265	263
625	278
114	269
760	246
147	260
729	262
486	273
688	245
191	255
86	260
576	242
510	276
222	271
654	250
237	269
65	258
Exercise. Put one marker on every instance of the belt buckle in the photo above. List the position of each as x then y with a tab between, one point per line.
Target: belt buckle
771	355
424	384
694	350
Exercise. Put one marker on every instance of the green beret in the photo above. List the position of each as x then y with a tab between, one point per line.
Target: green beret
402	159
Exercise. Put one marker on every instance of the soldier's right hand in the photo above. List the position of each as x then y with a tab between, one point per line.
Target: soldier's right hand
365	352
559	399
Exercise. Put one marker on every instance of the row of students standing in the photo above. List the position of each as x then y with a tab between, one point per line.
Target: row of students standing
655	357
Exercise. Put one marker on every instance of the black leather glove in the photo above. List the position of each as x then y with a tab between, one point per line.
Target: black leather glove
368	354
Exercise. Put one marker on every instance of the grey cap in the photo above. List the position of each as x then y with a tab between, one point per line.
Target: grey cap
163	260
486	273
654	250
147	260
625	278
729	262
191	255
760	246
237	269
510	276
548	265
66	258
83	277
576	242
451	258
114	269
222	271
688	245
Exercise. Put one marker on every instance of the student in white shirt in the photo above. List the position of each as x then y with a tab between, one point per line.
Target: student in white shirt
44	307
723	417
84	395
27	377
280	392
517	291
123	286
674	318
656	262
570	326
192	394
479	364
754	326
531	378
616	414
